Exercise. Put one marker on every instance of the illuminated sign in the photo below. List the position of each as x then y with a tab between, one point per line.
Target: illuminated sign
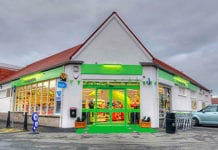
112	66
32	78
111	69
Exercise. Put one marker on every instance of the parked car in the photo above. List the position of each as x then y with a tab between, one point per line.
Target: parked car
206	116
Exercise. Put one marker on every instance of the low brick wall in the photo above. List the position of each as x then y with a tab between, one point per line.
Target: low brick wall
3	116
18	117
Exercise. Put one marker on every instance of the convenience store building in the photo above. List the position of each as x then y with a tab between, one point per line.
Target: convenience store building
110	79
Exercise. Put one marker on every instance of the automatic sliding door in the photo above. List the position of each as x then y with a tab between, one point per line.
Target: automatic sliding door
110	106
118	106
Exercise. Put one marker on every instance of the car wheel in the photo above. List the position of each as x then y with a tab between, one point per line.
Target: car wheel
195	122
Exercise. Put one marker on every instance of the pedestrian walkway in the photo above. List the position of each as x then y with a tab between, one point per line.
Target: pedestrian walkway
115	129
10	130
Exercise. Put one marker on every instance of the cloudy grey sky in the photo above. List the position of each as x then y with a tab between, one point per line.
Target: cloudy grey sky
183	33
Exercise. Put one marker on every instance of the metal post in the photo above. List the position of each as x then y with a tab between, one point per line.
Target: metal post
8	124
25	122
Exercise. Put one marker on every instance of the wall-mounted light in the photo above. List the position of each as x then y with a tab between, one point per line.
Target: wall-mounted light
76	76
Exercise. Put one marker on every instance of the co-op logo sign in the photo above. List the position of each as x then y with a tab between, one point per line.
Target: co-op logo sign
35	119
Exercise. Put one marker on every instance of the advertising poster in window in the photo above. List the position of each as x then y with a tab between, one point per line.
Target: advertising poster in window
194	104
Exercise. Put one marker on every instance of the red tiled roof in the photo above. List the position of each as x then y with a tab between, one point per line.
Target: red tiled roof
214	100
6	72
45	63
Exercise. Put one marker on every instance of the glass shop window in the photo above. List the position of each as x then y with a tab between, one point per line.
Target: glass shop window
88	98
164	100
133	99
37	97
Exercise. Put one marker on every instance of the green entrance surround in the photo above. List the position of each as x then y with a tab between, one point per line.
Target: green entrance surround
112	104
115	129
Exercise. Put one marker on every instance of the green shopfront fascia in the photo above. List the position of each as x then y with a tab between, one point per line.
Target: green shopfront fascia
37	77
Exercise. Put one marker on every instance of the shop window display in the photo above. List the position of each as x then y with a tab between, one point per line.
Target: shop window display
133	101
194	104
33	98
133	98
164	100
51	96
88	99
44	98
28	98
36	98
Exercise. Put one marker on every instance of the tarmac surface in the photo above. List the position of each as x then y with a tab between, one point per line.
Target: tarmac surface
197	138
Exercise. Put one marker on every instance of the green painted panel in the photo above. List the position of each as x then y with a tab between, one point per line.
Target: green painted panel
111	69
193	87
37	77
165	75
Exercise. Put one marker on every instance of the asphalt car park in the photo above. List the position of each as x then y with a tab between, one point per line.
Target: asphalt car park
196	138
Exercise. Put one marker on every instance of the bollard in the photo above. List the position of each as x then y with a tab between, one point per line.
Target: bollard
8	124
25	122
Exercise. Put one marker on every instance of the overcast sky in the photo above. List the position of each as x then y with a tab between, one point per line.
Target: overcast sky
182	33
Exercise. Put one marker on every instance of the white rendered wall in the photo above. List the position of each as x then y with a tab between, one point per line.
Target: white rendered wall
181	102
72	97
203	97
149	105
5	102
184	102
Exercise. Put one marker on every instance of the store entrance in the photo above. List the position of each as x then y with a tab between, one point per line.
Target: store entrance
110	106
111	103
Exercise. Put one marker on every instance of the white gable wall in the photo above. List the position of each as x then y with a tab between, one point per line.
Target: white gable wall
112	44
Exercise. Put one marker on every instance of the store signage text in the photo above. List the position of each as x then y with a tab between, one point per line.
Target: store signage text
181	81
31	78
